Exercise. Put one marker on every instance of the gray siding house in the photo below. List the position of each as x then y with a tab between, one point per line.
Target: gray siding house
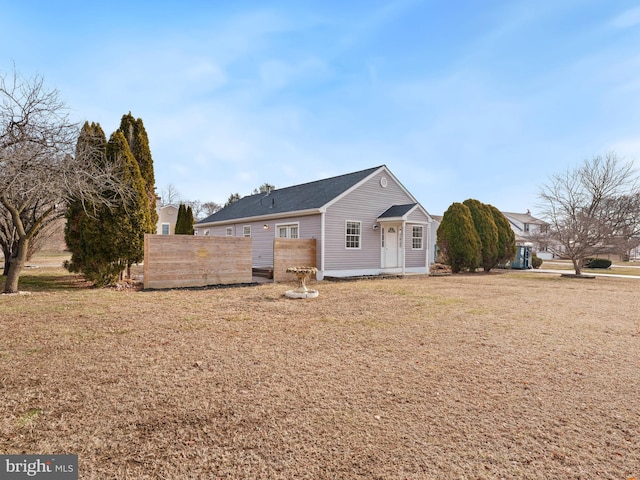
364	223
530	230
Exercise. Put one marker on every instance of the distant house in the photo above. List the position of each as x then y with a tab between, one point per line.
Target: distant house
530	230
364	223
433	235
167	216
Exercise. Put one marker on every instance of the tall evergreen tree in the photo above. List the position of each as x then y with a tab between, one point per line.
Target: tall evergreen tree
180	220
264	188
184	221
506	238
138	141
234	197
132	219
190	220
487	231
107	238
457	239
179	228
83	233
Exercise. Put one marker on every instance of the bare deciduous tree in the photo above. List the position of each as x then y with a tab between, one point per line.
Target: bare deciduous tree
591	208
210	208
202	210
169	195
39	172
197	209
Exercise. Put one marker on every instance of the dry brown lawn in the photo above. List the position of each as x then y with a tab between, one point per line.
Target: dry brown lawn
513	375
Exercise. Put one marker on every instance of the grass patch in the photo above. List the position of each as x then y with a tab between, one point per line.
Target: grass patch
463	376
28	418
48	279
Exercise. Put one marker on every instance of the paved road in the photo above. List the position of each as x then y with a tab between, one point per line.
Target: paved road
551	262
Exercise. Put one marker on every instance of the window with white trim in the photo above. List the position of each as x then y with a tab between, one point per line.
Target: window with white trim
229	231
166	228
246	230
288	231
353	234
417	232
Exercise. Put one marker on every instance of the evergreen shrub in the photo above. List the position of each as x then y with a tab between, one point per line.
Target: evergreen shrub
597	263
536	261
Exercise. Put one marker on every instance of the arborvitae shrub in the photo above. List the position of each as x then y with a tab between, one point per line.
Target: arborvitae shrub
457	239
487	231
536	261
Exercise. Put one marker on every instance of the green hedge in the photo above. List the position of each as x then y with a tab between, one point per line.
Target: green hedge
536	261
597	263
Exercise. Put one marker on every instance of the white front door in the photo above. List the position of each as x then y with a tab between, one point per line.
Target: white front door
391	256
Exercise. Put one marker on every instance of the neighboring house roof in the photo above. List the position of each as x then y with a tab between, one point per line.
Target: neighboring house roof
518	219
298	198
524	218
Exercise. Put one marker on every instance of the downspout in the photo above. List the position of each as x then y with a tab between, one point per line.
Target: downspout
428	240
320	274
402	246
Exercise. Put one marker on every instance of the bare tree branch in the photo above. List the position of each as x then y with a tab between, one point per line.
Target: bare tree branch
39	172
592	208
169	195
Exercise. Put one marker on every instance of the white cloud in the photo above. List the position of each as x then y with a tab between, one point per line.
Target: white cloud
627	19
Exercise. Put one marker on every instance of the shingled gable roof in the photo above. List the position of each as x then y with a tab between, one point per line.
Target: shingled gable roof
523	218
397	211
297	198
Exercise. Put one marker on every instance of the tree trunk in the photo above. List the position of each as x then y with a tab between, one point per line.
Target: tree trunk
577	265
16	263
5	256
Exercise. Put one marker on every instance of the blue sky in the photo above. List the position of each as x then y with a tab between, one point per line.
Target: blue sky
459	99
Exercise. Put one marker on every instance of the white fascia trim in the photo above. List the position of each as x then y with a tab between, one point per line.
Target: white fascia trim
322	242
429	217
298	213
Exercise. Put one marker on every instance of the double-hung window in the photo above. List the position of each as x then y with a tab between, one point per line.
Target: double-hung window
417	232
288	231
353	234
246	231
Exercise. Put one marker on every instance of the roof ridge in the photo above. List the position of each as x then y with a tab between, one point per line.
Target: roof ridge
372	169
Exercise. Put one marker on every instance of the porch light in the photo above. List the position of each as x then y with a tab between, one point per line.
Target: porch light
265	226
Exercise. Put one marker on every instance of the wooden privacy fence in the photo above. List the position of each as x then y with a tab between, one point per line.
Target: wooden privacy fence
292	252
173	261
